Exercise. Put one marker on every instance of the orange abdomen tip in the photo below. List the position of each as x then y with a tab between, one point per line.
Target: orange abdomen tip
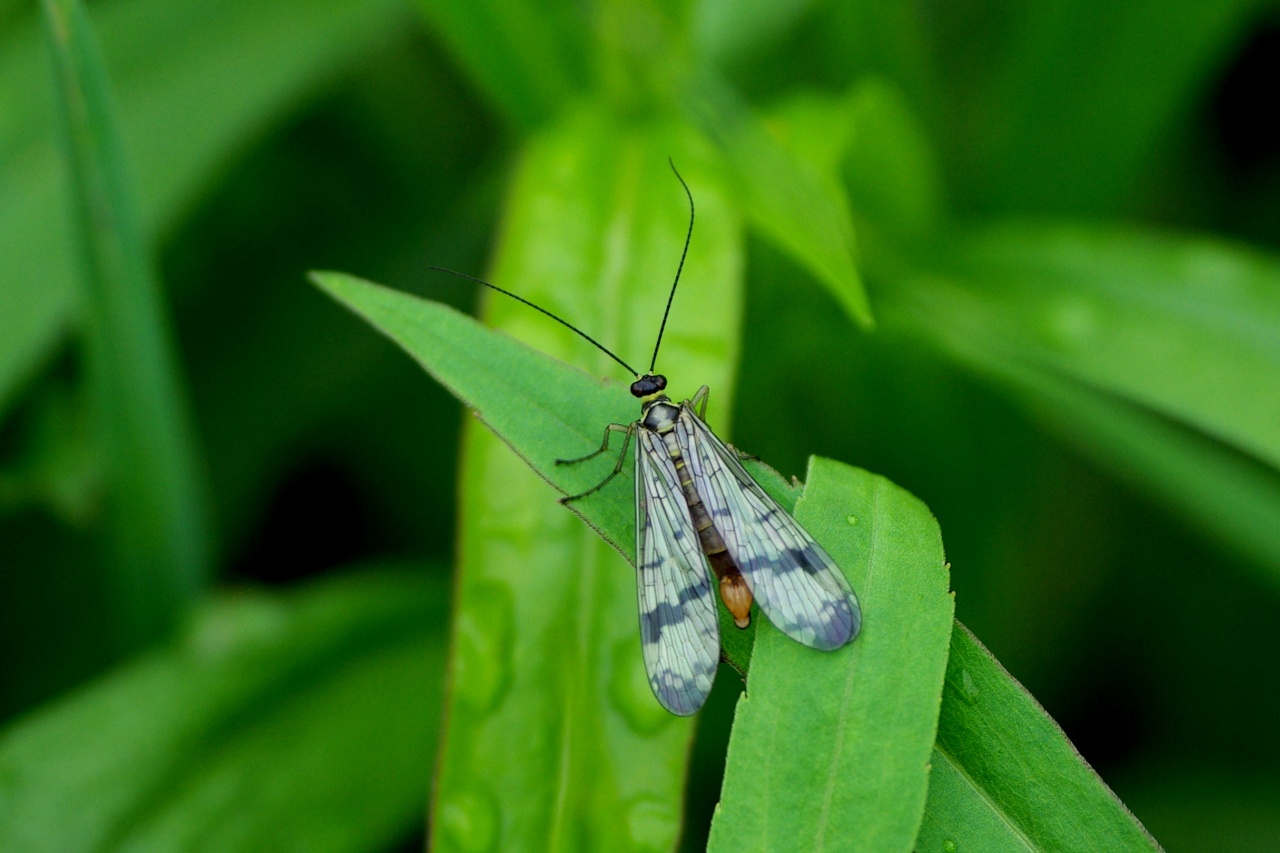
736	597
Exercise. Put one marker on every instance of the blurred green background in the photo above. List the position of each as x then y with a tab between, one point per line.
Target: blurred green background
1066	217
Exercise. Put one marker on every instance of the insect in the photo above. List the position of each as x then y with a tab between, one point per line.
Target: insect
696	506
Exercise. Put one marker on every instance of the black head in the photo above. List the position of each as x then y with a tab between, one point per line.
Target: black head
648	385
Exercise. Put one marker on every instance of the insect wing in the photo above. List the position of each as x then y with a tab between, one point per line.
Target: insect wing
797	585
678	628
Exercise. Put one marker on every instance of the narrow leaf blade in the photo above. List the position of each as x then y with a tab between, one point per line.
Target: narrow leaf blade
1155	355
234	64
784	199
157	525
1005	777
831	749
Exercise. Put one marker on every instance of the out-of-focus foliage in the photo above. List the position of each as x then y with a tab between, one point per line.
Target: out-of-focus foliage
1019	259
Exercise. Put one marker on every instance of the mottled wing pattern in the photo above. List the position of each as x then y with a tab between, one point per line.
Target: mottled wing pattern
678	628
797	585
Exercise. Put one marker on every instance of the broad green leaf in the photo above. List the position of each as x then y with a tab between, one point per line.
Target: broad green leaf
244	62
784	198
1082	95
1161	353
1004	775
298	721
156	521
528	58
832	751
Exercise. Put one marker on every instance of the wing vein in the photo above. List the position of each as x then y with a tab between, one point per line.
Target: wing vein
678	628
795	582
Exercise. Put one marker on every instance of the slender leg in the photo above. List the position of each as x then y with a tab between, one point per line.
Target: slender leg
699	402
604	445
622	457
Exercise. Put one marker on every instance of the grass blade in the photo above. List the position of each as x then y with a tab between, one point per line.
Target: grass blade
785	200
1005	777
238	68
157	530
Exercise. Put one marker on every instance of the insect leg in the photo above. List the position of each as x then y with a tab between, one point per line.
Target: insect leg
699	402
622	457
604	445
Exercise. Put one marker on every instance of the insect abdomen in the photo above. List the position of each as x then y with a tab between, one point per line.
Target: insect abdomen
733	589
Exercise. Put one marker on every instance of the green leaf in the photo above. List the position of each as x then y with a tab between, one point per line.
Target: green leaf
785	199
303	721
245	62
1004	775
156	522
549	696
867	142
833	750
1226	494
1156	354
519	393
1180	325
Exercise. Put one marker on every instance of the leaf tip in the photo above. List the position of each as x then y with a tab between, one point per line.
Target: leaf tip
326	280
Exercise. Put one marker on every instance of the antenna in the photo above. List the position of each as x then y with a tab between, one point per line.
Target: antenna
671	298
604	349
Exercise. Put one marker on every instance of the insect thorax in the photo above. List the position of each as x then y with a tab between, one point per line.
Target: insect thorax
659	415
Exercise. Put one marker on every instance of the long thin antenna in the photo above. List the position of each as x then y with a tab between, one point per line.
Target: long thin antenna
671	298
604	349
